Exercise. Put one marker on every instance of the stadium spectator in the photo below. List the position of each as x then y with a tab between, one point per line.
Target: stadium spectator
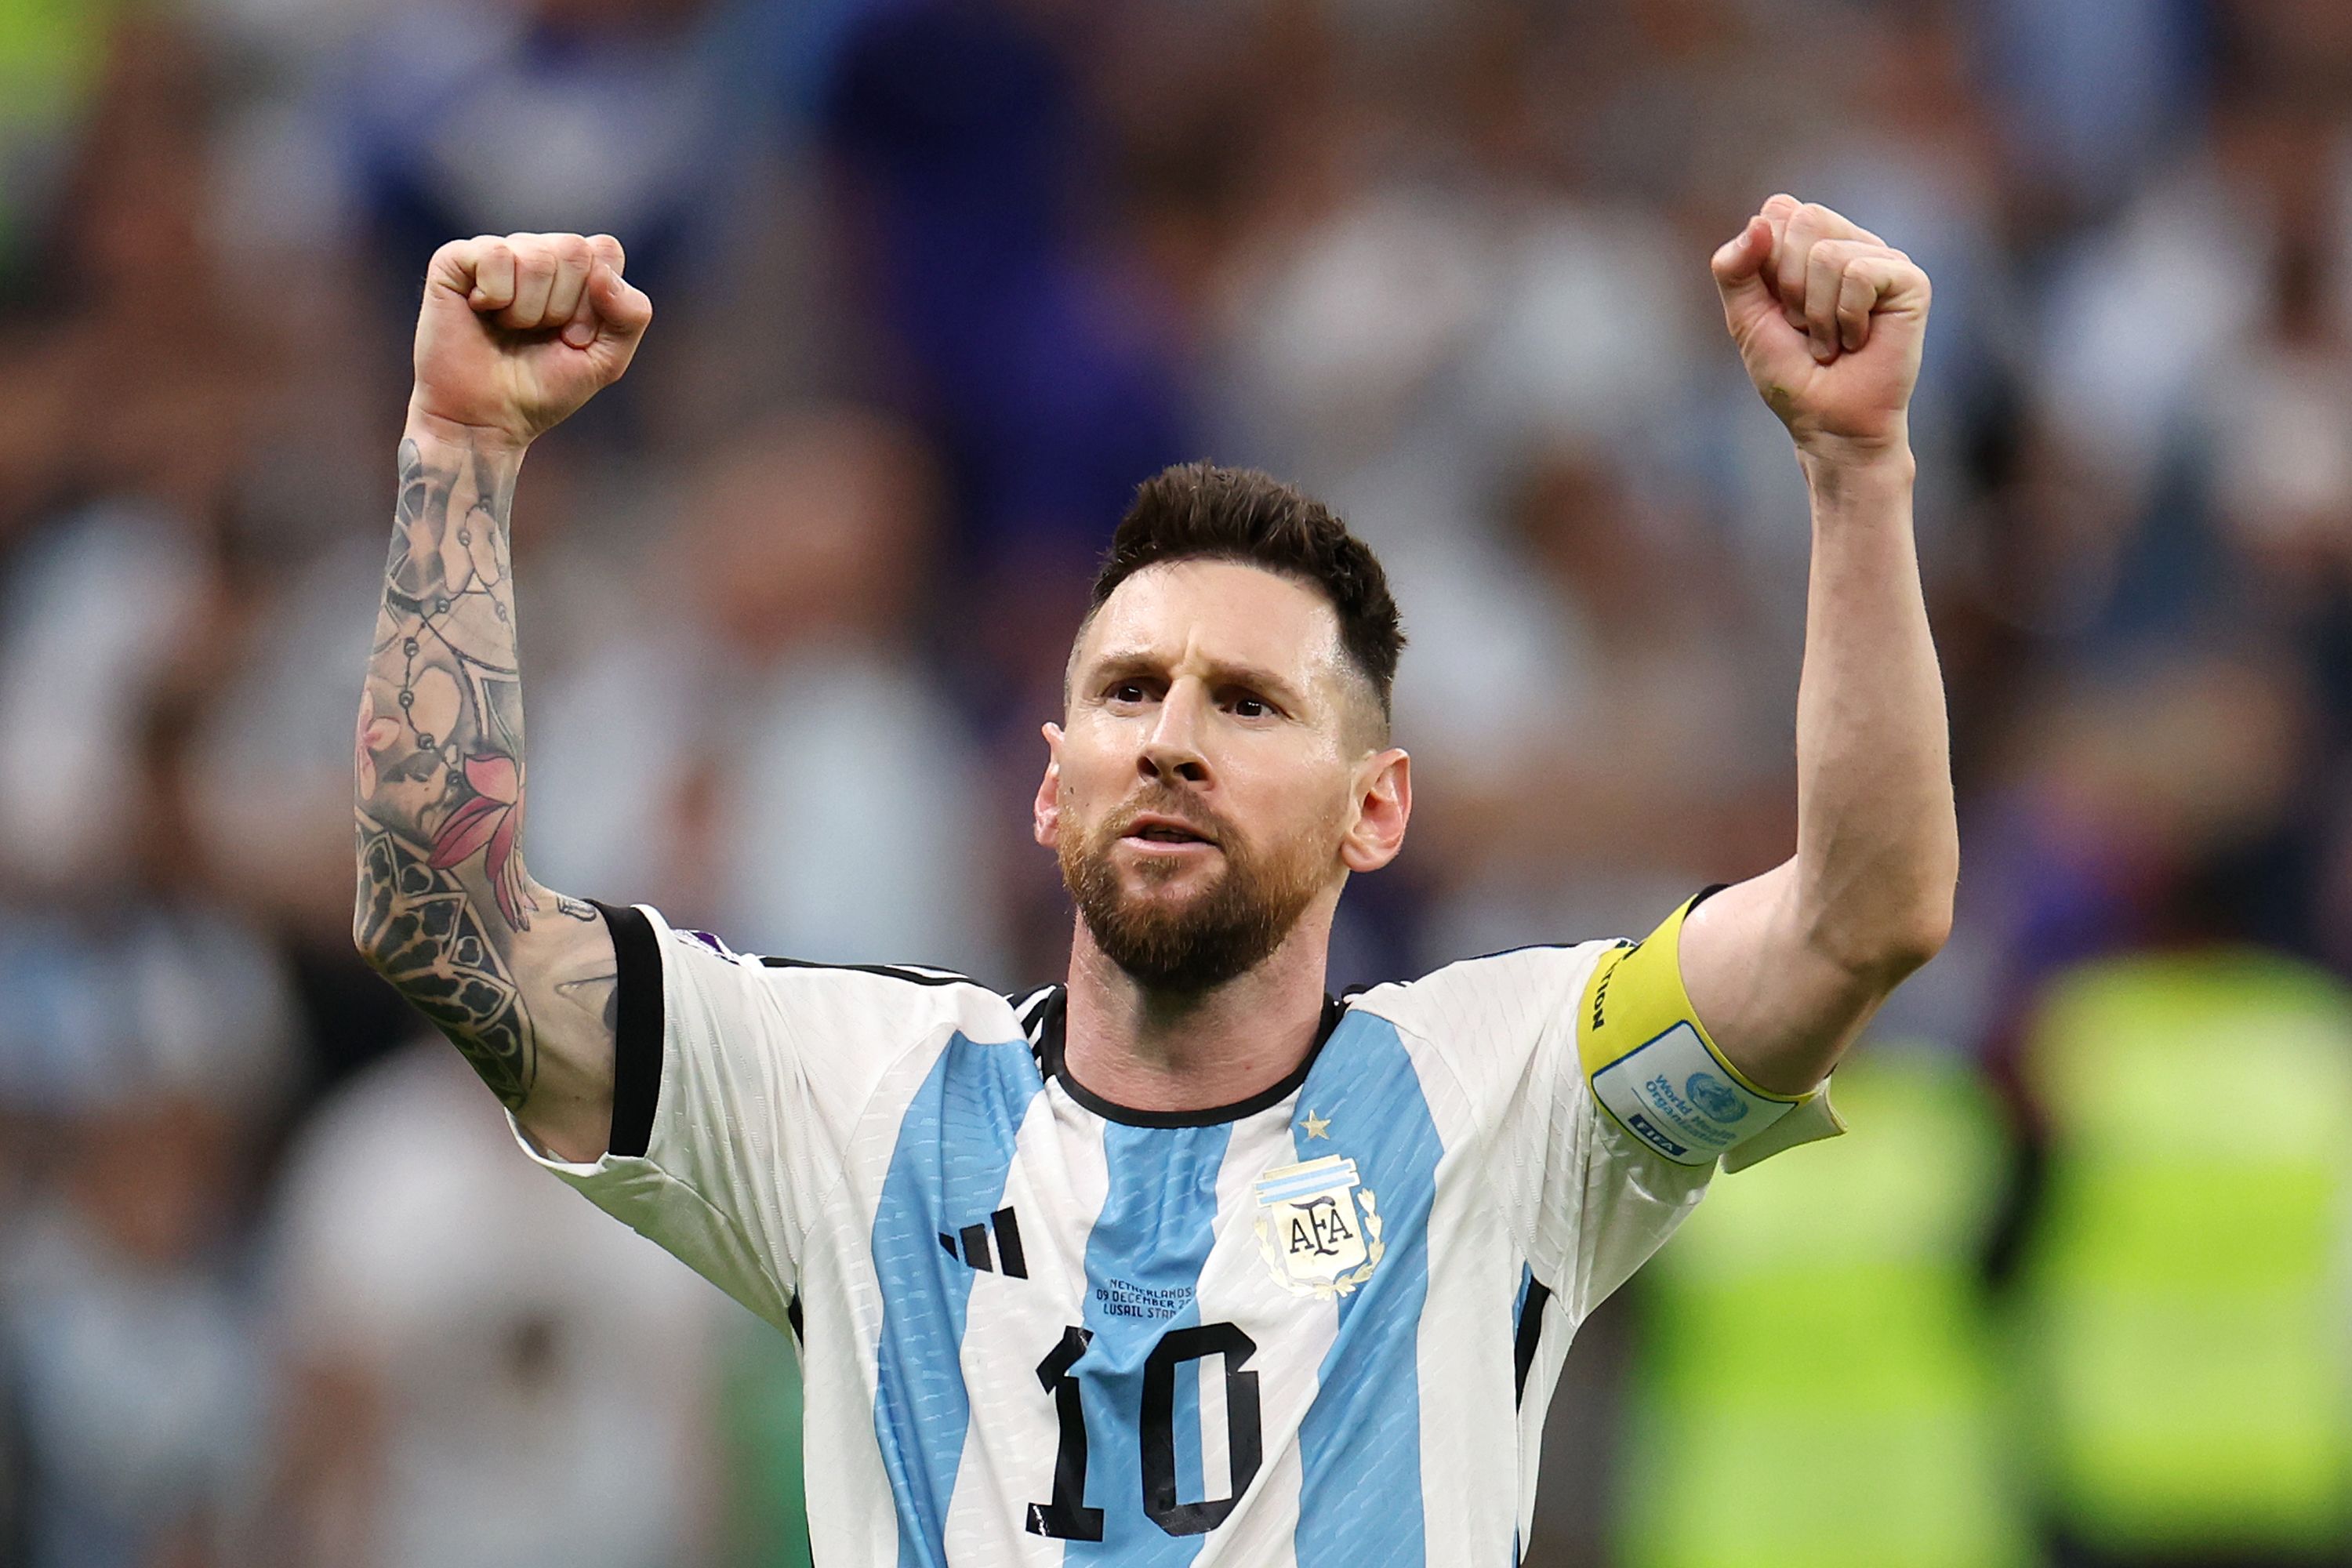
145	1049
470	1375
779	666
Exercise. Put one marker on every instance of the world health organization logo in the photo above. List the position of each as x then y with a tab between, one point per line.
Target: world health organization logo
1715	1097
1318	1226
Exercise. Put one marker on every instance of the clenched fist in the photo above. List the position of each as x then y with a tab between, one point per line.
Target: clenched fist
1828	320
516	333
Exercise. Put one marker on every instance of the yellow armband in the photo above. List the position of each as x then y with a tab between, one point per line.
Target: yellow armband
1654	1071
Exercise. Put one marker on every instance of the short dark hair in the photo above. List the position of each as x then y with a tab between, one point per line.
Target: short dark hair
1198	511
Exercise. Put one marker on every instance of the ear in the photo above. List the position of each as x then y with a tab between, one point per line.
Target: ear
1045	811
1383	805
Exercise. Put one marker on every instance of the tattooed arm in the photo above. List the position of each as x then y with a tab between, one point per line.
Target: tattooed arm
514	335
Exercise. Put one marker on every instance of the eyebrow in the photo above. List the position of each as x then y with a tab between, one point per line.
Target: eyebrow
1142	661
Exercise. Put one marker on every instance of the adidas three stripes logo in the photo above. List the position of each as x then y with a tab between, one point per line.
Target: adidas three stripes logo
974	1249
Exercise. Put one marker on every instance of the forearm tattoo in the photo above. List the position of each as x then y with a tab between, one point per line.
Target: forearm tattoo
439	762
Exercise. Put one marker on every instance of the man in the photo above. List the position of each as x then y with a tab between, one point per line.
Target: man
1182	1261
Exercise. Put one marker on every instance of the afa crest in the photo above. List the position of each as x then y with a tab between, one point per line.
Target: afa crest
1318	1226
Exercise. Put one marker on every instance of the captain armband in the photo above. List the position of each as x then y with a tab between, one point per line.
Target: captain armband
1655	1073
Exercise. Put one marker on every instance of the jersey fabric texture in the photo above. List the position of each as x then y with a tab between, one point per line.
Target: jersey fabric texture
1317	1328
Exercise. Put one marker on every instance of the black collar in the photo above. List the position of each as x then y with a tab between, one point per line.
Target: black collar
1045	1015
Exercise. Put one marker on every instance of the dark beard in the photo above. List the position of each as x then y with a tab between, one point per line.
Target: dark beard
1225	931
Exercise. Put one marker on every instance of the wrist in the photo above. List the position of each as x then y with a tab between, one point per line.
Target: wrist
492	441
1832	464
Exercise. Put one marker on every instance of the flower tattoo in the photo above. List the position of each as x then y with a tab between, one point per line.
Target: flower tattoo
488	824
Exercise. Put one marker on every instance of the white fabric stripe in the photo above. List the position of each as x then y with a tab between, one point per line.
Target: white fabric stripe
1237	1286
841	1310
1465	1351
1216	1433
1058	1184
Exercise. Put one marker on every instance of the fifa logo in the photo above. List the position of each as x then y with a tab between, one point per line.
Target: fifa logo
1318	1226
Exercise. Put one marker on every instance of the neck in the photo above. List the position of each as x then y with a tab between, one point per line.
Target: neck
1194	1050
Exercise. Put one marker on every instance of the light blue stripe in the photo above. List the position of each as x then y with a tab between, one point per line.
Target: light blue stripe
1330	1180
1154	1231
954	1150
1359	1498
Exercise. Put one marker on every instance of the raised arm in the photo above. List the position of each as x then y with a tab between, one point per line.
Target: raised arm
514	335
1784	969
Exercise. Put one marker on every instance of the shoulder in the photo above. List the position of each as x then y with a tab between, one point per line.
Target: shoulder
1519	992
1491	1037
847	1002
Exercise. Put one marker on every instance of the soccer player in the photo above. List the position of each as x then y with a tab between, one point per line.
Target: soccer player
1180	1260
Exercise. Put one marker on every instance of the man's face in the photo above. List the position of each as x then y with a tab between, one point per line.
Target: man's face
1219	774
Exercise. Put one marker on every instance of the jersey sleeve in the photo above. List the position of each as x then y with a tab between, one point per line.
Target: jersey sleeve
737	1086
1657	1107
1533	1035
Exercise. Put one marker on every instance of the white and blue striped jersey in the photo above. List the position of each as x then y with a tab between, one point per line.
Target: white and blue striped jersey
1317	1328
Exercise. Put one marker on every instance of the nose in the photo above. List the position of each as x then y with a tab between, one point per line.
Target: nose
1172	751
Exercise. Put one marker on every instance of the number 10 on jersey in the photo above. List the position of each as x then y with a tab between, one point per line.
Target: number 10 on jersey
1066	1517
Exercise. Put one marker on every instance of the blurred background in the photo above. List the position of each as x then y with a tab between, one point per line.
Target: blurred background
940	280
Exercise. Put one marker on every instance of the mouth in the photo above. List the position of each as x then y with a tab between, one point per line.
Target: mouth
1160	832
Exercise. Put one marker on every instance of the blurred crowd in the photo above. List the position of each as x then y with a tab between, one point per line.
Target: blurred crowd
939	282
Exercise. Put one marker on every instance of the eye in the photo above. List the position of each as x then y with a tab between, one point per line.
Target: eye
1127	691
1246	706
